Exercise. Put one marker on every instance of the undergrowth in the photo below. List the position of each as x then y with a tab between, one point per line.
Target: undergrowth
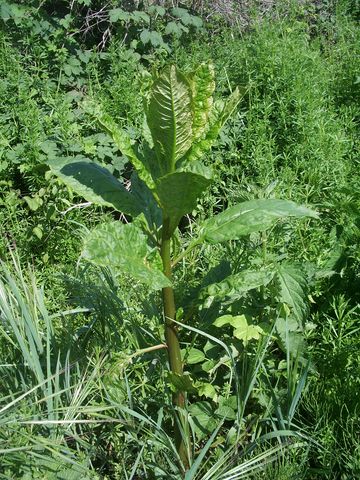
80	353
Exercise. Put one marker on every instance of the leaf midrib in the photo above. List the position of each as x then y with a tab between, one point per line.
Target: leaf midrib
172	164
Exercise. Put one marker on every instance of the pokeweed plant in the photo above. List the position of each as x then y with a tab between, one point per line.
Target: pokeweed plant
182	122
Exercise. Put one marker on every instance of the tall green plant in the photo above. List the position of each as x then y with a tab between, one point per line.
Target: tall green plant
182	123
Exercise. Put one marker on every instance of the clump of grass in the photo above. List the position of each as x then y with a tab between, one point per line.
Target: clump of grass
332	401
46	396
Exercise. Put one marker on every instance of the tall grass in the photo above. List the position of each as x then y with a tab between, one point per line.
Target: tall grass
46	396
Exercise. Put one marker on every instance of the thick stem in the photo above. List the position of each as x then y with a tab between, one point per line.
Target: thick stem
172	341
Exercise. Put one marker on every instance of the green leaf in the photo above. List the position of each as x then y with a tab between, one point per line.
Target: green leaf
227	320
145	36
95	184
248	217
290	335
121	139
144	196
236	285
33	202
197	167
157	10
116	14
178	194
194	356
12	11
50	148
38	231
287	325
219	115
208	365
146	134
195	21
246	332
179	12
151	36
202	415
148	158
5	11
169	117
293	290
231	401
181	383
243	331
138	17
186	18
174	28
202	85
206	389
124	247
226	412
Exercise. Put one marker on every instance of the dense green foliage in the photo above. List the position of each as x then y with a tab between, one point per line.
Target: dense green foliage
269	322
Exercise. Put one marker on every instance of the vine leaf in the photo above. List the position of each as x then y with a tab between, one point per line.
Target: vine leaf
242	329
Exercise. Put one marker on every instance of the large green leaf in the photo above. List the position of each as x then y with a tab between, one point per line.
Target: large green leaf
235	286
169	117
124	247
197	167
293	290
121	139
95	184
248	217
202	85
146	154
219	115
178	194
290	335
145	197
